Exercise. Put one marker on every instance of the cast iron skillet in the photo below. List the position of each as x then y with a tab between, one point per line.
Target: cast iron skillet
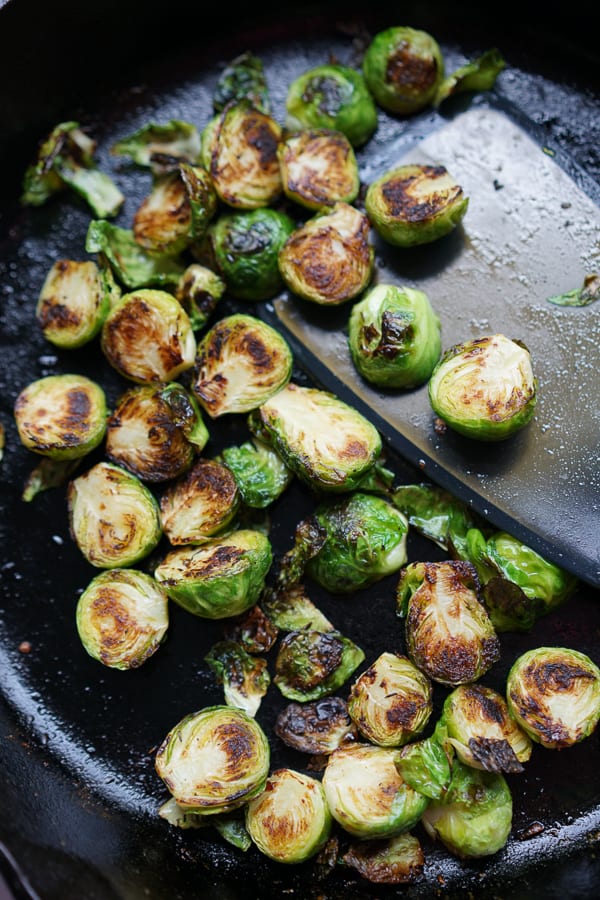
79	792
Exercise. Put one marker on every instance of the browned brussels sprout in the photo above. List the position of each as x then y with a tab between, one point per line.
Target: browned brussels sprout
199	290
200	505
243	79
318	168
245	678
396	860
403	68
73	303
313	664
318	727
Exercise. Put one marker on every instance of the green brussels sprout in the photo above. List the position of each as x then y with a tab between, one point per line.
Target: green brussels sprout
243	79
72	303
318	168
478	75
122	618
329	259
242	145
260	473
290	821
415	204
394	336
403	68
397	860
200	504
246	249
366	794
323	440
313	664
436	514
482	731
449	635
219	579
332	96
484	388
474	817
427	764
131	264
113	517
240	363
318	727
61	416
199	291
391	701
161	147
214	760
155	431
365	541
148	337
554	695
245	678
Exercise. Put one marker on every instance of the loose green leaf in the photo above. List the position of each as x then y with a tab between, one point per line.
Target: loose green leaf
478	75
132	266
588	293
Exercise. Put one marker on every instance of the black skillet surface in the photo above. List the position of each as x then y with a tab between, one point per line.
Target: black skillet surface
78	785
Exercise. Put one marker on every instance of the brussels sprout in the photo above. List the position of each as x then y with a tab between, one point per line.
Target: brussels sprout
484	388
482	731
214	760
318	168
66	159
241	362
398	860
200	505
47	474
365	541
588	293
244	168
244	677
290	821
242	79
415	204
449	635
219	579
122	618
323	440
332	96
246	249
313	664
329	259
403	68
391	701
436	514
366	794
394	336
260	473
199	291
478	75
148	337
253	630
72	303
427	764
113	518
474	817
61	416
554	694
161	147
319	727
132	266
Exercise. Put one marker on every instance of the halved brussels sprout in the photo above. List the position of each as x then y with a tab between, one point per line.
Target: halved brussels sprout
332	96
245	678
366	794
242	79
219	579
290	821
394	336
199	291
61	416
391	701
329	259
326	442
415	204
72	304
318	727
427	764
484	388
241	362
259	471
449	635
313	664
148	337
474	817
365	541
214	760
161	147
554	694
246	249
397	860
482	731
113	518
155	431
318	168
478	75
243	156
200	505
122	618
403	68
131	264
